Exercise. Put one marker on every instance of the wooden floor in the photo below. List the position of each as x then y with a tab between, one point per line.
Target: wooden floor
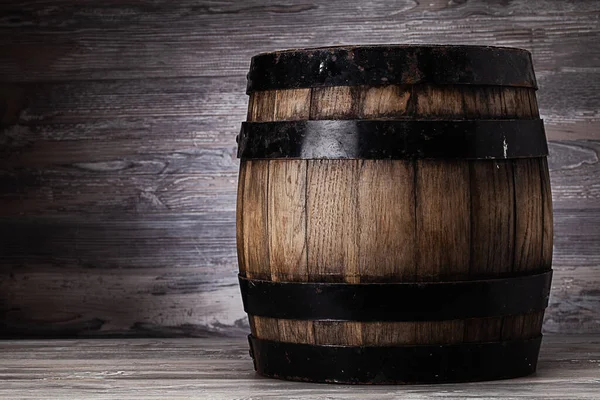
569	368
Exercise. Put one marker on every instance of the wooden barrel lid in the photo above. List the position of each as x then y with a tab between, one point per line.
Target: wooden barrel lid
391	64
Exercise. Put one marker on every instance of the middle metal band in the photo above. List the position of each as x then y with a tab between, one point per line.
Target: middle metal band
397	139
409	301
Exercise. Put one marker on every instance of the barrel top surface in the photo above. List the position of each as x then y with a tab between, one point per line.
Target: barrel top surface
391	64
390	46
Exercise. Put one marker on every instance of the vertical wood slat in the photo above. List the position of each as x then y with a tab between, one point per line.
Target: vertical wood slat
547	235
332	241
287	220
255	233
331	214
528	237
287	207
492	234
338	102
386	215
256	179
383	102
442	234
261	108
331	221
528	216
239	218
443	219
386	220
255	219
287	197
492	218
292	104
437	101
284	234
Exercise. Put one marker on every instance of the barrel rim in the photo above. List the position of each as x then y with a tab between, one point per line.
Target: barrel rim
408	45
376	65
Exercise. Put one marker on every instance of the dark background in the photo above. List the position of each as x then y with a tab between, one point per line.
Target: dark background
117	153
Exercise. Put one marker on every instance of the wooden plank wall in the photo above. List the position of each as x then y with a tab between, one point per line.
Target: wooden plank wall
117	153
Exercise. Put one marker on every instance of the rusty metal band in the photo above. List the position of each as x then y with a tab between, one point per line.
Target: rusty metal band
395	365
393	139
414	301
385	65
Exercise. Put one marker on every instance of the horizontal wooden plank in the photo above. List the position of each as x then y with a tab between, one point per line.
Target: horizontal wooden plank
576	238
82	101
89	159
106	302
92	188
222	369
568	104
575	174
86	40
160	240
574	300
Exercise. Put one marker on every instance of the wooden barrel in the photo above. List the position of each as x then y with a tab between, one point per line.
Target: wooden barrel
394	216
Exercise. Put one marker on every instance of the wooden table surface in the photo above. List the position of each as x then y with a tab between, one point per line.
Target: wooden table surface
569	368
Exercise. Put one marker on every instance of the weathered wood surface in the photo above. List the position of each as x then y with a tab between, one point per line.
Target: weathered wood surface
569	368
117	152
378	220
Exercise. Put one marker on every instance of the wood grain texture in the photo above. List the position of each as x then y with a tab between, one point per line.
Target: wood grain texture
192	36
239	219
386	220
528	215
332	243
529	234
459	102
492	215
256	219
135	103
287	209
390	101
547	216
443	235
450	220
492	190
292	104
222	369
331	221
150	302
287	220
442	197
